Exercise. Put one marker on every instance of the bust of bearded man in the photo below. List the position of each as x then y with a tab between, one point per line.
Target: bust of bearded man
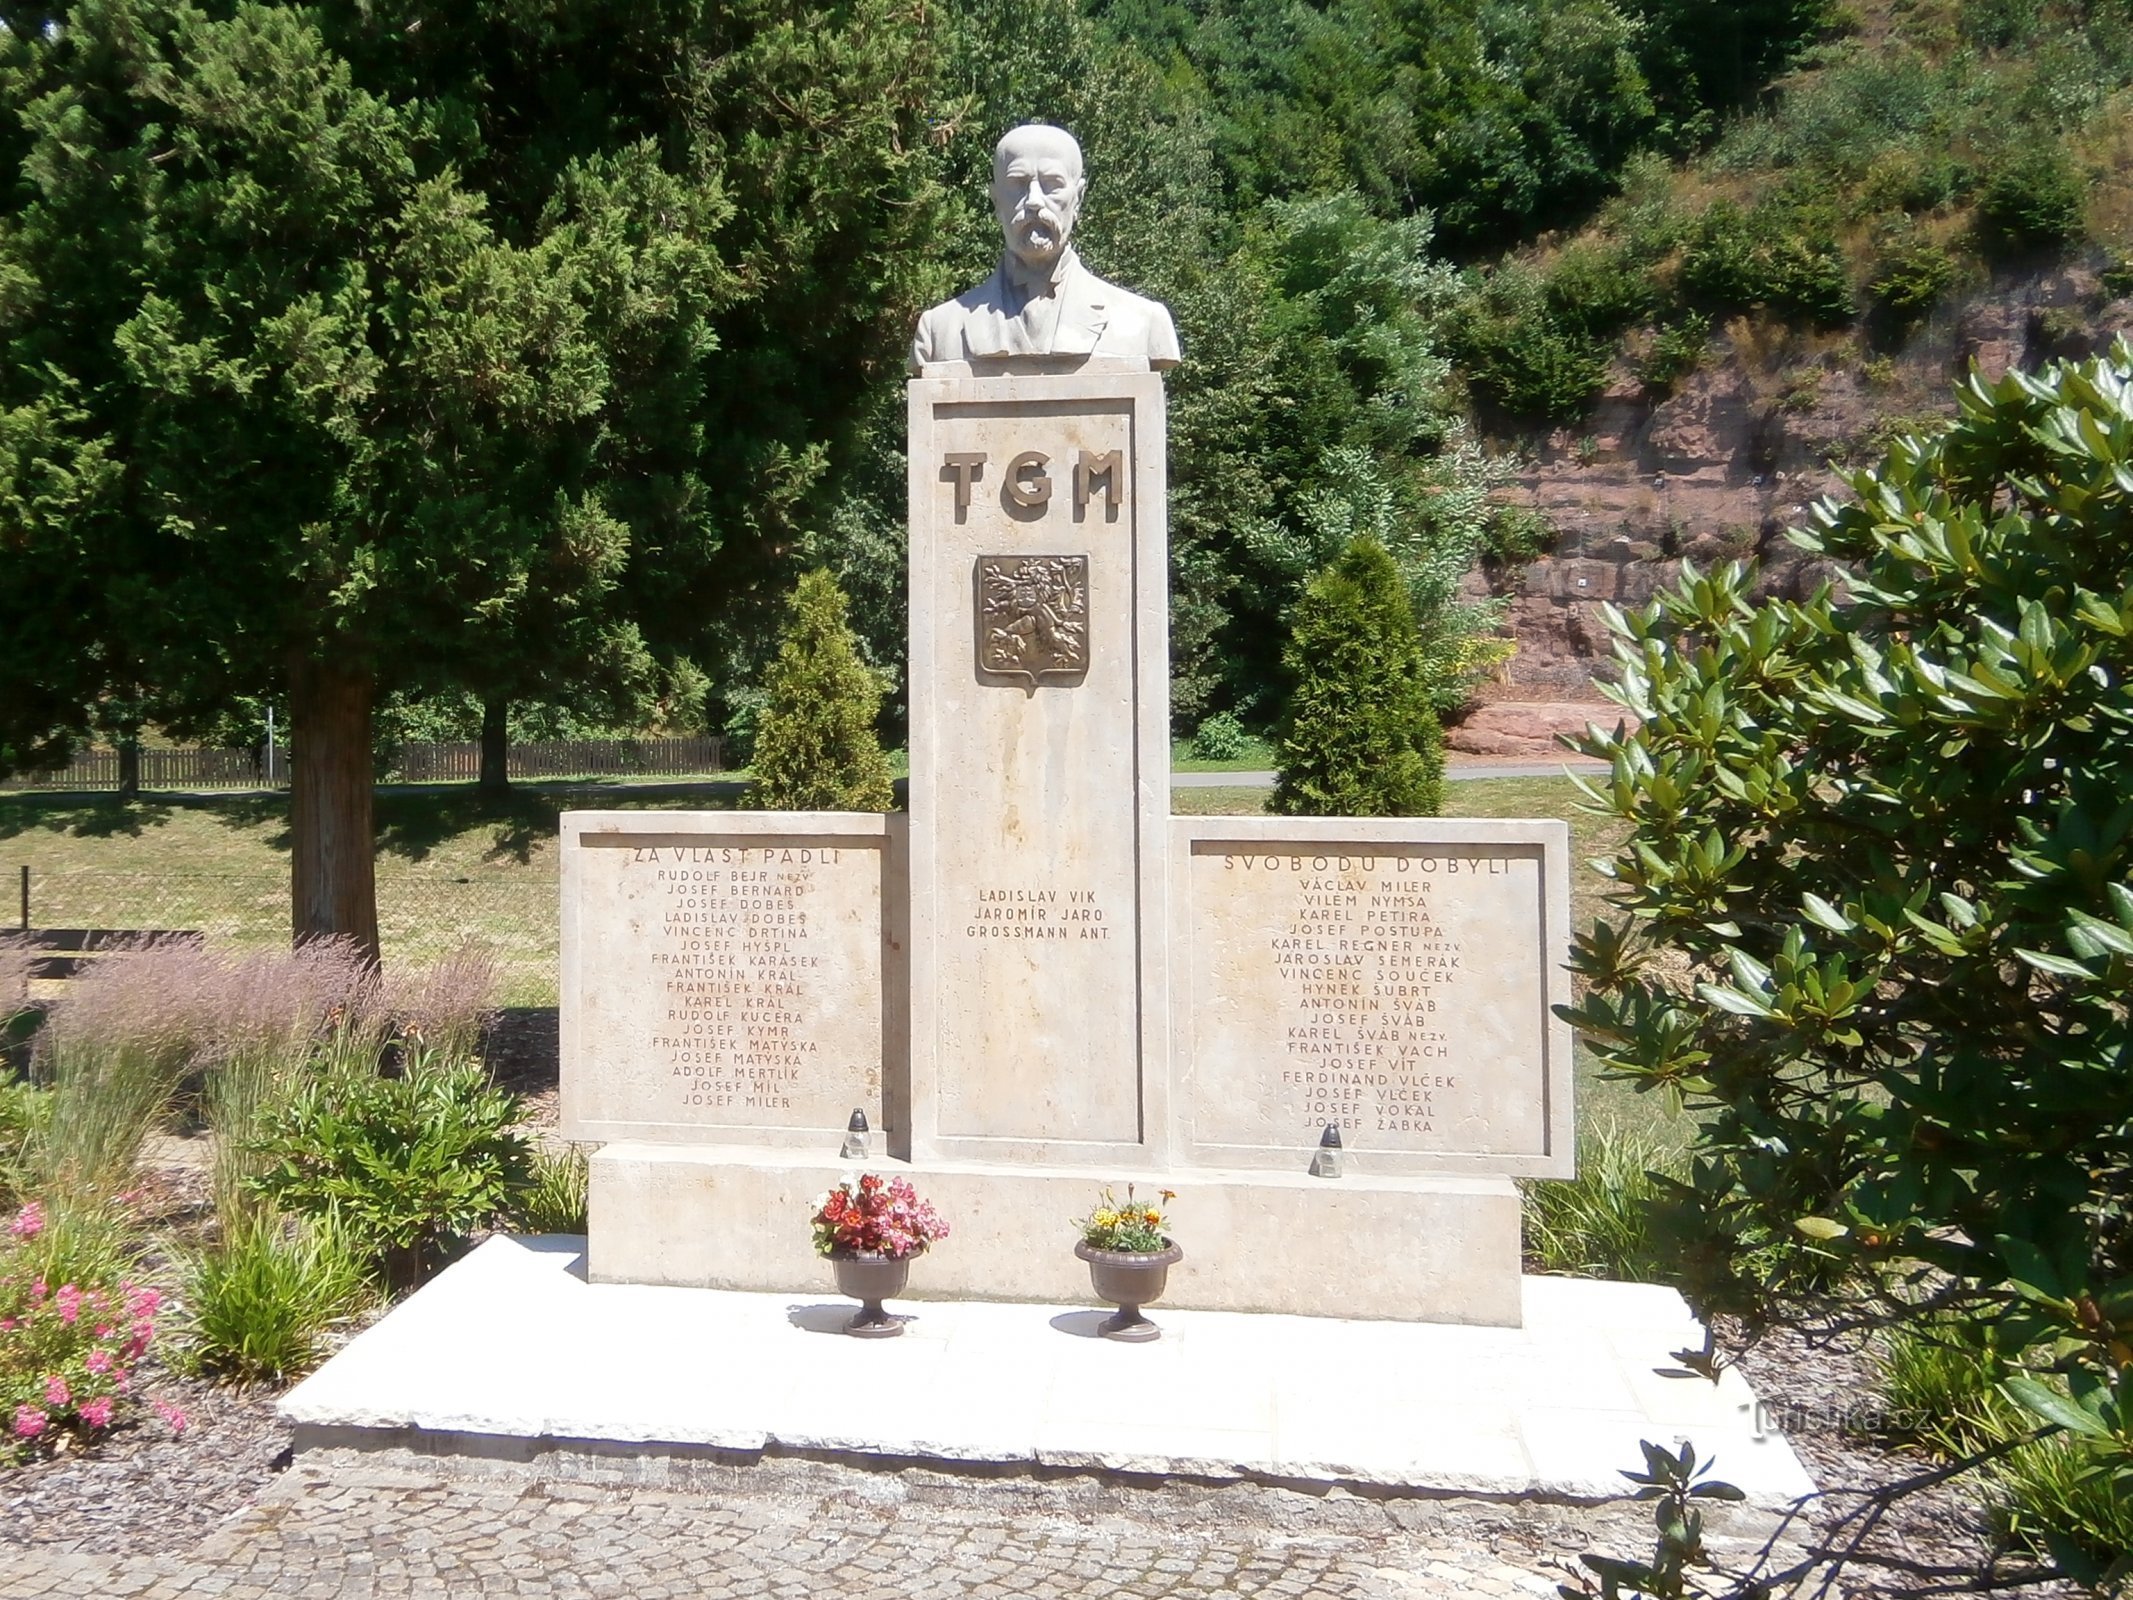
1041	301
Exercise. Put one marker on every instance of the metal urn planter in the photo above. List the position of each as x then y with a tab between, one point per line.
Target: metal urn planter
1129	1279
871	1279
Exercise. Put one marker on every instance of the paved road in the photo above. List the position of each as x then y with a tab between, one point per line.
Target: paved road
366	1527
1456	770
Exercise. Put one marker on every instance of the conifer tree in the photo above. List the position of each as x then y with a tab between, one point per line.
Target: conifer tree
815	748
364	347
1358	738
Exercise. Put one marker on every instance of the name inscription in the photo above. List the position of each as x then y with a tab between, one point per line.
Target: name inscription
741	943
1381	990
1037	916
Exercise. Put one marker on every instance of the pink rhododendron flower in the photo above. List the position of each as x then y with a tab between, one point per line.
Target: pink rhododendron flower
67	1303
97	1412
29	1422
98	1362
56	1392
172	1415
29	1221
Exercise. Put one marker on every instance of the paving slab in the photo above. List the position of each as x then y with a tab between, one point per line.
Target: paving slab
511	1351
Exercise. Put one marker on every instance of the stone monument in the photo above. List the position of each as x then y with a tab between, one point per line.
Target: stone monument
1039	982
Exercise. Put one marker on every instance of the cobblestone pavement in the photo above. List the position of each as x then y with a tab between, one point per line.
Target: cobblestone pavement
359	1527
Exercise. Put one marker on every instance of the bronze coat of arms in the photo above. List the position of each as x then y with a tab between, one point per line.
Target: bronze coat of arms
1033	618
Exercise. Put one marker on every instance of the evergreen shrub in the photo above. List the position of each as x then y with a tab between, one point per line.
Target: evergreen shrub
1220	737
2034	198
1358	737
1911	276
1781	257
1673	354
815	744
1874	912
1519	357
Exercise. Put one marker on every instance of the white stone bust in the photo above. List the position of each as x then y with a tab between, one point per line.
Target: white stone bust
1041	301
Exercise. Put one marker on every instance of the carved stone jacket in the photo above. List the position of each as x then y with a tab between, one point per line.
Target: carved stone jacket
1083	315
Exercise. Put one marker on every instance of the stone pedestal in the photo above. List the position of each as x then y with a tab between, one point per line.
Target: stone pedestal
1404	1249
1040	767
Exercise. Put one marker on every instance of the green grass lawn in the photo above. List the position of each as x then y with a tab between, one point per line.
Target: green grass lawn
452	865
1258	756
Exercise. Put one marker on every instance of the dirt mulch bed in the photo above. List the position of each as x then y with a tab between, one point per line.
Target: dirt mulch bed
1821	1396
143	1490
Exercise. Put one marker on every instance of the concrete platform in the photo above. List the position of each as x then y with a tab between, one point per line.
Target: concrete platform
511	1352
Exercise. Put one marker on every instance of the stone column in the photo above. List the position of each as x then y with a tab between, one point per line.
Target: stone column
1040	768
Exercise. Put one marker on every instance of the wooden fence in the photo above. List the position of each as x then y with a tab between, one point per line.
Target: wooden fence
161	769
413	763
561	758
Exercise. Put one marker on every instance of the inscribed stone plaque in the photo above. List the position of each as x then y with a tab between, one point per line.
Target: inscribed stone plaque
1398	987
722	983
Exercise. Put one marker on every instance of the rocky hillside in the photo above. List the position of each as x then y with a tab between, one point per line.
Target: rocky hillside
1719	468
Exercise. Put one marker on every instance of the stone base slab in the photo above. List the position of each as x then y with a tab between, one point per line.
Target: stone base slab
511	1354
1407	1249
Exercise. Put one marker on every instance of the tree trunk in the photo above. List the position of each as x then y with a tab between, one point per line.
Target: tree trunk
129	763
333	870
495	746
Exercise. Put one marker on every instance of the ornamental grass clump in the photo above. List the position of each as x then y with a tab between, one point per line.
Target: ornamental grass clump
1133	1226
557	1192
875	1216
274	1015
448	1005
259	1306
68	1344
115	1050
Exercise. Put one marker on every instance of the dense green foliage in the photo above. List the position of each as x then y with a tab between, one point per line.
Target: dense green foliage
815	745
527	360
361	346
1358	737
259	1305
1499	118
1939	141
1886	850
405	1165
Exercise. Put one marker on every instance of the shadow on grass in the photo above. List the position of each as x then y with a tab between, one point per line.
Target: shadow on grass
413	822
82	814
242	811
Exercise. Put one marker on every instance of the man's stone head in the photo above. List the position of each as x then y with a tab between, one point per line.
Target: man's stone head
1036	191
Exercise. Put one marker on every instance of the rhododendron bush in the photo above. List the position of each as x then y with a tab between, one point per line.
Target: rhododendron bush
67	1350
875	1216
